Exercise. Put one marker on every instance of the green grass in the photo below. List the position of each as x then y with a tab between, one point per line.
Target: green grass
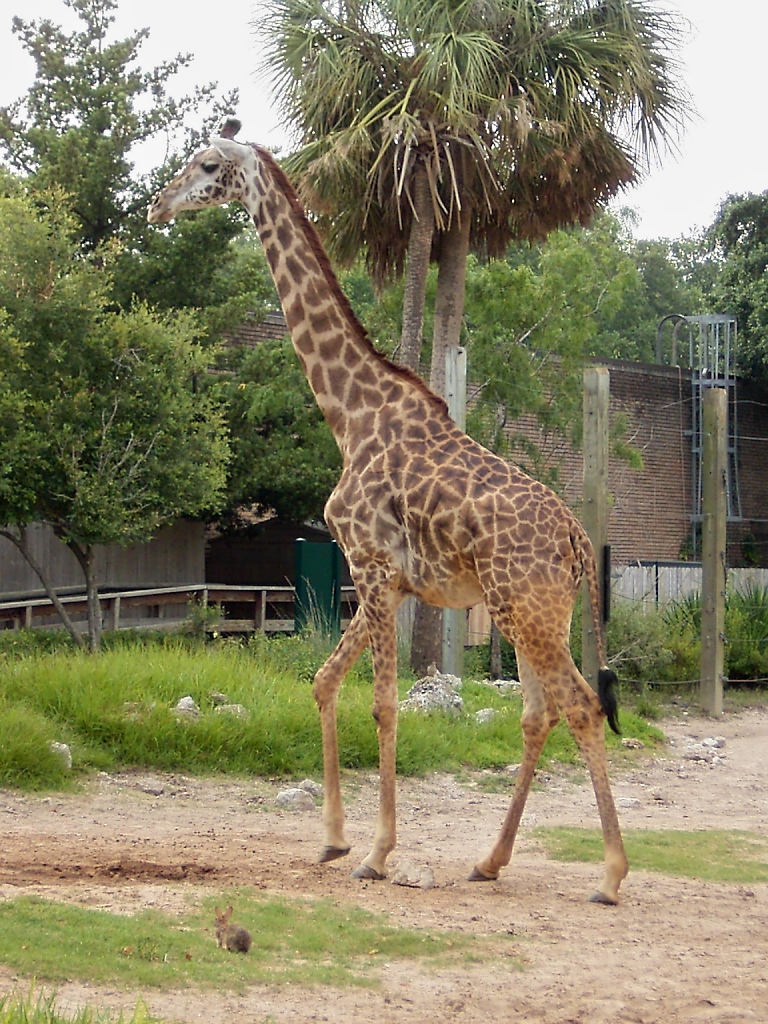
38	1008
304	942
116	710
712	856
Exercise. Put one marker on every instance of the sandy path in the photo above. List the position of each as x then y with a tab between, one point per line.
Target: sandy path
674	951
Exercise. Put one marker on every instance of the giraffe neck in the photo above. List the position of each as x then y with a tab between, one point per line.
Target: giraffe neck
346	374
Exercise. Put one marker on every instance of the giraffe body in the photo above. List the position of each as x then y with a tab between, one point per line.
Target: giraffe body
420	508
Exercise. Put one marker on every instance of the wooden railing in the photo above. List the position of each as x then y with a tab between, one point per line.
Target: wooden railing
245	609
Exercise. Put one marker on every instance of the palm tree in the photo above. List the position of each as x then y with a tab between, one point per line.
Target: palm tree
429	128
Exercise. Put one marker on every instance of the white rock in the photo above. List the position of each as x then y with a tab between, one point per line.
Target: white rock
485	715
416	876
187	706
716	742
231	709
63	752
295	799
311	787
433	693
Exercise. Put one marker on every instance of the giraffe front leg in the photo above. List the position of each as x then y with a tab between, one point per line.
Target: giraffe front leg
328	682
539	717
380	605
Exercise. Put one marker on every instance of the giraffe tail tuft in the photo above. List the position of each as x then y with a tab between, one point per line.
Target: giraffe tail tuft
606	684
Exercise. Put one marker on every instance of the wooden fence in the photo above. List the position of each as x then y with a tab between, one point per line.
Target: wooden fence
652	584
245	609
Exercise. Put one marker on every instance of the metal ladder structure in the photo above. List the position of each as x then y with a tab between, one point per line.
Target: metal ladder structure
712	359
712	347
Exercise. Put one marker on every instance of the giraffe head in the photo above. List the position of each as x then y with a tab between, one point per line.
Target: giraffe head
217	175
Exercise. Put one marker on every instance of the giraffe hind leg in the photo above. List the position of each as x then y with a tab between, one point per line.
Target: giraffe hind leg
585	714
586	720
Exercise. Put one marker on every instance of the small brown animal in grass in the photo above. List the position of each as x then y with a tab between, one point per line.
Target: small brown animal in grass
231	936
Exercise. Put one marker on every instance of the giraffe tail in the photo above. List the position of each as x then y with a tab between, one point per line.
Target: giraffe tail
607	681
606	692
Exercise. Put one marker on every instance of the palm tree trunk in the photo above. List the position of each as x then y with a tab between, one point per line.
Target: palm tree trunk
20	541
449	300
417	271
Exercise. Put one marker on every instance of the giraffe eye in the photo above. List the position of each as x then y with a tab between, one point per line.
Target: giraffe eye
209	166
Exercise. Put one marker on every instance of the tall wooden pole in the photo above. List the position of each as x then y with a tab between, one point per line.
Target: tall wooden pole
714	511
594	516
455	619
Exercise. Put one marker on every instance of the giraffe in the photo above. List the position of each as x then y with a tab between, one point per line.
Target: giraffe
420	508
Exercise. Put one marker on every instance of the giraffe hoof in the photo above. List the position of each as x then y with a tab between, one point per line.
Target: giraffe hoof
479	876
331	853
364	871
600	897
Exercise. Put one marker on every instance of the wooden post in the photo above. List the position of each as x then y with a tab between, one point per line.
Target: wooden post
114	618
597	393
455	619
714	511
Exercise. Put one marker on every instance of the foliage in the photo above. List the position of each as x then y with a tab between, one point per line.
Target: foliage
119	709
284	456
498	104
746	630
113	438
291	940
531	319
739	243
90	106
79	131
39	1008
716	856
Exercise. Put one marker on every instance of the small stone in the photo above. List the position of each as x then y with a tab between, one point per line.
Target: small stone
434	693
295	799
187	706
485	715
231	709
63	751
628	801
153	787
632	743
416	876
311	787
218	698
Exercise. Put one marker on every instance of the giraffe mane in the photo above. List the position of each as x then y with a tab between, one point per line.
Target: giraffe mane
324	262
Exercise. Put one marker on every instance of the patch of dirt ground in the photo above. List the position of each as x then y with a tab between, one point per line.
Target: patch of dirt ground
674	950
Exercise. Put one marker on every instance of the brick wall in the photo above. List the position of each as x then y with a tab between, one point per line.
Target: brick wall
651	507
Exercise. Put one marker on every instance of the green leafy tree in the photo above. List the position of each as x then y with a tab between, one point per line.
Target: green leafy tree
110	437
90	106
739	244
284	457
79	129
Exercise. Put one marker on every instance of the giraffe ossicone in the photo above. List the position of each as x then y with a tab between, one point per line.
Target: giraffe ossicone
420	508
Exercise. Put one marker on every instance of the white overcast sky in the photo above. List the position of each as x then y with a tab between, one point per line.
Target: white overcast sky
723	151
